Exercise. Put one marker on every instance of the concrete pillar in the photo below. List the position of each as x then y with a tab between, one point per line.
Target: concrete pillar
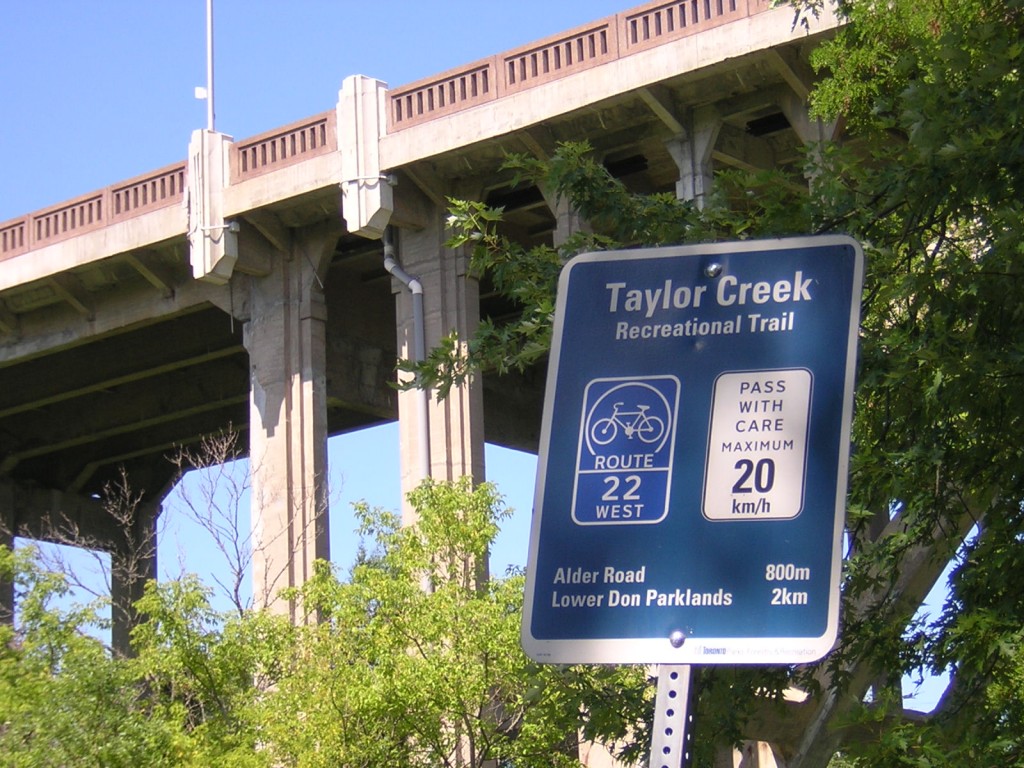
132	564
285	338
568	220
750	754
814	133
362	120
451	303
122	527
692	154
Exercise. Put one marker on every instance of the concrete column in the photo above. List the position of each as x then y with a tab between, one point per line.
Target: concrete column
749	754
285	338
692	153
568	220
132	564
451	303
812	132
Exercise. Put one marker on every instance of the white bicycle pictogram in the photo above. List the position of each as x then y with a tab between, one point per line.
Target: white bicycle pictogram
648	429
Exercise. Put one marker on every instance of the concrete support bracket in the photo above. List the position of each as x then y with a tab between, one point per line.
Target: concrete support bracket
810	130
213	246
692	154
368	198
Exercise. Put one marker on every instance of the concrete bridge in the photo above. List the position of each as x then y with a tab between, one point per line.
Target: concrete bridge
246	287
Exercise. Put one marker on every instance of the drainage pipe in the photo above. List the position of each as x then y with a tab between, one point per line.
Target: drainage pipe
419	346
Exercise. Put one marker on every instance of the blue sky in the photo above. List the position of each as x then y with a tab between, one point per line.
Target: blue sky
97	92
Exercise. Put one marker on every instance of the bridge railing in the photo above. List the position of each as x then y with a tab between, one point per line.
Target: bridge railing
253	157
115	203
609	39
147	193
316	135
600	42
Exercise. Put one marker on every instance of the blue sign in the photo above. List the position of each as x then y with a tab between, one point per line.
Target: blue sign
692	470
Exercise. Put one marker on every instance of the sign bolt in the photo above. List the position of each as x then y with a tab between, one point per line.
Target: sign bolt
714	269
677	638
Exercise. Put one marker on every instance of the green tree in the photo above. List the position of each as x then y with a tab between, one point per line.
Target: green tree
414	661
64	700
930	177
933	184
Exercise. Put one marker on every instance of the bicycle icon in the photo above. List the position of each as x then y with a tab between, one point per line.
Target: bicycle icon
638	423
618	411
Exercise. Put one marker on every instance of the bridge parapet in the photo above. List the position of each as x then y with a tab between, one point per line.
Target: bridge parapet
600	42
125	200
148	193
316	135
266	152
571	52
657	23
13	239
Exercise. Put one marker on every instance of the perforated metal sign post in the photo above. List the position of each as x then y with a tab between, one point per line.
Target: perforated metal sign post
693	459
